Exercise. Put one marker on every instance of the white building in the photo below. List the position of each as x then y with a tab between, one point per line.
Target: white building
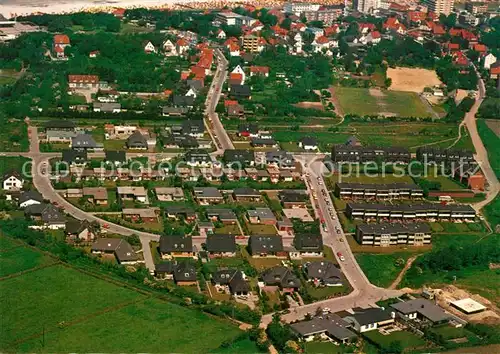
239	70
12	181
299	7
366	6
489	60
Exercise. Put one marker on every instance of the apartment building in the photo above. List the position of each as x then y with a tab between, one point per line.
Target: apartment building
362	154
434	155
390	234
378	191
439	7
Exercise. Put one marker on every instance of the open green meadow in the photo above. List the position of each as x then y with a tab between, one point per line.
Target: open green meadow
382	269
61	309
362	102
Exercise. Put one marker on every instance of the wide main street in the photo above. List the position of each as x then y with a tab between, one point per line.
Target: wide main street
364	293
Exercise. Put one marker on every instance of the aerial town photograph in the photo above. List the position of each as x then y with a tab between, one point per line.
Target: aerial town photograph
250	176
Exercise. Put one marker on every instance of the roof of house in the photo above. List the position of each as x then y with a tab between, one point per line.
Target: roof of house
282	276
136	191
173	243
222	213
83	141
60	124
308	141
207	192
74	226
70	156
259	69
100	193
262	214
48	213
424	307
181	100
221	243
137	139
308	242
175	191
371	315
238	155
246	192
185	271
325	271
232	277
240	90
61	39
248	127
115	156
330	323
265	244
120	247
142	212
83	79
30	195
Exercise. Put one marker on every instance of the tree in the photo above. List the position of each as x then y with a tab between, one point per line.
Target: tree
286	23
448	21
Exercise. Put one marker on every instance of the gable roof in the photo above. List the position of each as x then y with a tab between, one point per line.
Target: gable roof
325	271
83	141
265	244
173	243
308	242
282	276
371	315
221	243
185	272
115	156
137	140
30	195
424	307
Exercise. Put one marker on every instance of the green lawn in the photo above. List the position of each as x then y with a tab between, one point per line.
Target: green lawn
448	332
244	346
381	269
359	101
407	339
150	325
7	243
21	258
326	348
14	163
492	144
261	229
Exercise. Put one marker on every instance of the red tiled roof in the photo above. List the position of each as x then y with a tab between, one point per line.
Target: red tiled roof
86	79
236	76
480	48
452	46
182	42
495	70
207	56
364	25
198	71
185	74
59	49
331	30
455	32
61	39
322	40
228	103
417	16
233	47
438	29
259	69
375	34
119	12
398	7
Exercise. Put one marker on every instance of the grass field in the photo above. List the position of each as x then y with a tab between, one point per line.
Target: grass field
61	309
18	259
448	332
381	269
361	102
492	144
326	347
407	339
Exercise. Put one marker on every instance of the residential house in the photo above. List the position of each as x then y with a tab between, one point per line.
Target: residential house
60	42
246	194
169	48
495	70
308	143
234	279
241	158
349	153
280	159
307	245
248	130
198	158
220	34
123	252
180	212
59	136
489	59
12	181
378	191
422	310
30	198
74	157
47	216
133	193
107	107
263	143
264	216
185	274
194	128
266	246
116	158
137	141
140	215
96	195
83	81
83	142
240	92
281	277
149	47
59	125
329	327
169	194
294	198
183	101
80	230
176	246
221	245
225	216
259	70
323	273
207	195
364	320
165	270
182	46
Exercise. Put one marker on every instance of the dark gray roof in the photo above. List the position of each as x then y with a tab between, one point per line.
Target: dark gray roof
137	140
193	126
331	324
287	195
116	156
60	124
71	156
174	110
265	244
83	141
281	276
248	127
259	141
222	213
308	140
185	272
379	186
207	192
264	213
371	315
76	226
195	84
424	307
197	156
165	267
47	212
325	271
240	90
174	243
221	243
246	192
183	101
178	209
412	207
122	249
384	228
30	195
308	242
237	155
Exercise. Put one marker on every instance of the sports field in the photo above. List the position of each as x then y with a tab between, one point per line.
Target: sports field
412	79
55	308
363	101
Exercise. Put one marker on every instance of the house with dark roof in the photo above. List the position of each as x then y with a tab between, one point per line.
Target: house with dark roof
323	273
60	124
47	216
80	230
328	326
198	158
280	159
176	246
364	320
239	158
266	246
207	195
281	277
221	245
30	198
233	279
307	245
183	101
185	274
264	216
293	198
74	157
246	194
124	253
180	212
165	270
84	142
116	158
248	130
240	91
263	142
193	127
225	216
308	143
422	310
137	141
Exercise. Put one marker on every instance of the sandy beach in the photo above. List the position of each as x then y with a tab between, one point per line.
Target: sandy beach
10	8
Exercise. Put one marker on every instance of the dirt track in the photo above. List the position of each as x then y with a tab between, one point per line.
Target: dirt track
412	79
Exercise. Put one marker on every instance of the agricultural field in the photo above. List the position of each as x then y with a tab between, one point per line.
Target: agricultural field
14	163
14	136
81	313
363	101
20	258
412	79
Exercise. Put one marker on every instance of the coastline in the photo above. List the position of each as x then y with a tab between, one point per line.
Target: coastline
49	7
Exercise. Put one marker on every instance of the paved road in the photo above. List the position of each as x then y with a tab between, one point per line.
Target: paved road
481	153
216	129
